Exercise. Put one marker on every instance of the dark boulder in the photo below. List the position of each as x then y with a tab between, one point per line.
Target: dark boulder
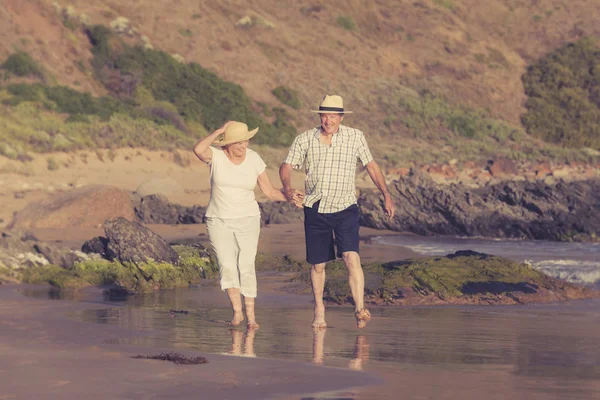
98	244
156	209
132	242
534	210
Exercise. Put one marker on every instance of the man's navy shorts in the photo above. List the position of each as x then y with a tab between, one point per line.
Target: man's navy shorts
321	230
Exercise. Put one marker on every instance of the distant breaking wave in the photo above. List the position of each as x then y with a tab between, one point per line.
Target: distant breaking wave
575	271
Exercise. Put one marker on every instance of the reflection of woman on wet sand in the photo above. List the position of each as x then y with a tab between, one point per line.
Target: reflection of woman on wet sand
247	349
232	215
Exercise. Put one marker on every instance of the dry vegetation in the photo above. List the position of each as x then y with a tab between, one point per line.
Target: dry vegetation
382	56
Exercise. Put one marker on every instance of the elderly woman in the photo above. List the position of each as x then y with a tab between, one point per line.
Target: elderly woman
233	215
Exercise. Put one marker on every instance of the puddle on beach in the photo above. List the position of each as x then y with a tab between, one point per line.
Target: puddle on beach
495	352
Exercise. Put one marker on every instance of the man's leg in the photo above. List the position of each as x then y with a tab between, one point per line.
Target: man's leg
317	279
356	278
346	227
319	250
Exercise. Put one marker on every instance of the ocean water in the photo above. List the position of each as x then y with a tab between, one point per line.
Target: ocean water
574	262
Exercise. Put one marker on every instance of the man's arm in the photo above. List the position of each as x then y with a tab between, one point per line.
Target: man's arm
379	181
285	174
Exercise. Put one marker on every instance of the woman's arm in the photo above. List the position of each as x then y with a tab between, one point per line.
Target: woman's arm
202	148
267	188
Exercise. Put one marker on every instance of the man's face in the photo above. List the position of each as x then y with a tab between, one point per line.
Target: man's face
330	122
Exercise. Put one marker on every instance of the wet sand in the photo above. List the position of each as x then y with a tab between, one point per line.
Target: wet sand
46	354
548	351
82	346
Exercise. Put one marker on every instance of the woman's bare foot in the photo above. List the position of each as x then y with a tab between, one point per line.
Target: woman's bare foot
238	317
319	320
253	325
362	317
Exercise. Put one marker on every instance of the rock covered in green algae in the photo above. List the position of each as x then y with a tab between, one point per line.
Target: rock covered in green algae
465	277
22	251
194	264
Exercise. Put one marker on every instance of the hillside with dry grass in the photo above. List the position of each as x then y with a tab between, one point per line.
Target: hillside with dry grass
399	65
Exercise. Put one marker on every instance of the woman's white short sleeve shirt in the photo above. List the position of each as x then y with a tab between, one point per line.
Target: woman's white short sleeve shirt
232	186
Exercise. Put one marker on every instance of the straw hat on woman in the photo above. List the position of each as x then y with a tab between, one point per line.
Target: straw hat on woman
233	215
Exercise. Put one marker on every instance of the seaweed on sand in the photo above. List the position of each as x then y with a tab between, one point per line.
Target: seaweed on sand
175	357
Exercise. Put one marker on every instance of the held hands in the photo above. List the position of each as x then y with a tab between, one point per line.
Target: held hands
294	196
298	198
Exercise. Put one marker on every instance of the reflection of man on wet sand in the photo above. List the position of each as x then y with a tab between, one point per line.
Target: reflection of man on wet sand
360	354
330	153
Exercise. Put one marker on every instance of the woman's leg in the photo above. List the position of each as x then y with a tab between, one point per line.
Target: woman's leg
246	235
236	305
222	239
249	302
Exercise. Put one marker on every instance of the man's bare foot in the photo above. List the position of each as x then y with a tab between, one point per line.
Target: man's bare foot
319	320
362	317
253	325
237	319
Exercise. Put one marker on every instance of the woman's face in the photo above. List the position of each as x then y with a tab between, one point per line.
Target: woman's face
238	149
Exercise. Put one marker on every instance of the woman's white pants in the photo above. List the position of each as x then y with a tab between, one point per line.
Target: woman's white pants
235	242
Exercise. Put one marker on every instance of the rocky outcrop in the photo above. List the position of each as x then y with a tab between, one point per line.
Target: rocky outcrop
464	277
534	210
128	241
87	206
156	209
21	251
279	212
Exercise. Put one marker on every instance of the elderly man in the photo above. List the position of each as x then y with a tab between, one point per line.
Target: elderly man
329	153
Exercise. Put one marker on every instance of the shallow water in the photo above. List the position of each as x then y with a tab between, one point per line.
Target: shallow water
454	352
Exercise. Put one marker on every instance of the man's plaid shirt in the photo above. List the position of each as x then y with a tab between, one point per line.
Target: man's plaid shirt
330	171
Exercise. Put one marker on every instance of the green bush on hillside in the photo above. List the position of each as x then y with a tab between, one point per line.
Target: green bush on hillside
564	96
346	23
21	64
66	100
428	113
28	127
198	94
287	96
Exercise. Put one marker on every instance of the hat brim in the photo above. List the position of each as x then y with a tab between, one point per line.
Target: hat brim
249	136
331	112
